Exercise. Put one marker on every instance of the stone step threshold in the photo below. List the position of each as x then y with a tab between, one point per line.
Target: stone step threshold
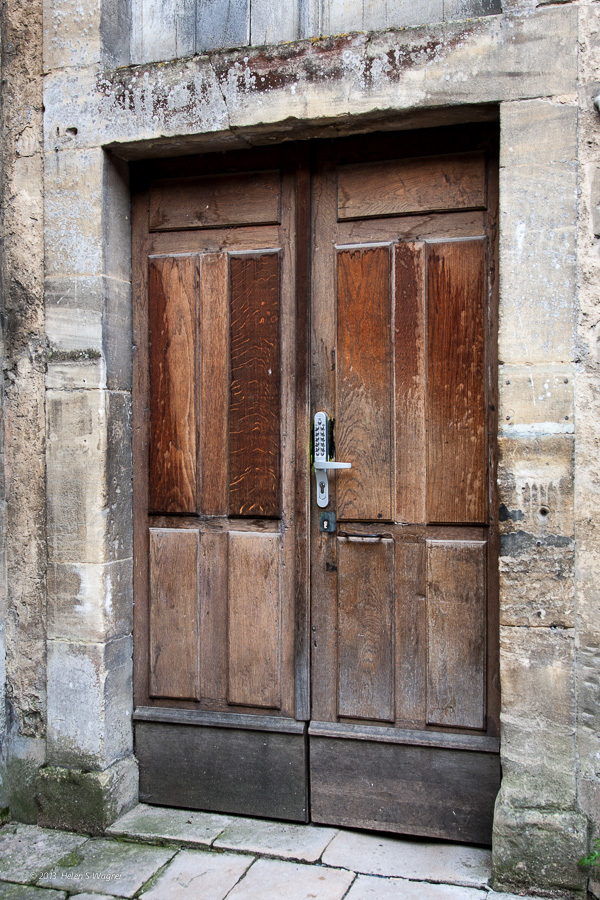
173	854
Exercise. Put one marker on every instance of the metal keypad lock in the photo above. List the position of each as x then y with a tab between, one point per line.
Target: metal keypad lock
322	462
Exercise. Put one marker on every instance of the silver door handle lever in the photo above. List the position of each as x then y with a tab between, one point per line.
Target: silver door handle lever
319	464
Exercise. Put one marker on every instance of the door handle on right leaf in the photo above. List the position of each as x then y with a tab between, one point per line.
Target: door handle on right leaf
322	462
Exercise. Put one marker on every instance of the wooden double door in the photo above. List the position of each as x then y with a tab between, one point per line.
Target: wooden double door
299	659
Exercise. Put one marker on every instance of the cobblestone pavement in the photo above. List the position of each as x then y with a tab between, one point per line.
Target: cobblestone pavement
168	854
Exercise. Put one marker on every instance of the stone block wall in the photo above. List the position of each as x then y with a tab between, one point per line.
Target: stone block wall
22	428
587	413
167	29
127	81
89	477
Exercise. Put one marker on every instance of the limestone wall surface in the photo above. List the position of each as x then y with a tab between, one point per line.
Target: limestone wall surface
128	81
587	413
22	427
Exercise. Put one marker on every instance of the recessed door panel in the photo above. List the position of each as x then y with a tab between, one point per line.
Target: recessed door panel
364	383
173	368
456	383
174	614
456	593
254	615
254	396
366	635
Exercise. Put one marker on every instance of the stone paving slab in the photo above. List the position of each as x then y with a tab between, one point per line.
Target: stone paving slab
91	897
26	850
101	863
25	892
302	842
63	862
493	895
366	887
187	827
194	874
372	854
273	879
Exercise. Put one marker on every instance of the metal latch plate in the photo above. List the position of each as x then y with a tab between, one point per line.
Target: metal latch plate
327	522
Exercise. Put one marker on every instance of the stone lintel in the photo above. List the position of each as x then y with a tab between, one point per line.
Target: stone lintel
288	90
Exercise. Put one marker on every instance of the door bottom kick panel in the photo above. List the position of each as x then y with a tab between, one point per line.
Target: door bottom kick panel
226	770
402	788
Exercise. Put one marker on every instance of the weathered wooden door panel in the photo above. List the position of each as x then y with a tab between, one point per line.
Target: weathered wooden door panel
365	629
254	616
401	361
456	640
214	449
214	380
392	187
254	397
410	383
173	317
400	244
457	457
403	787
364	383
174	614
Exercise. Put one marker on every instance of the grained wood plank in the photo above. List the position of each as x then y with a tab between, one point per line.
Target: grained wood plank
290	467
456	383
172	301
363	731
411	633
323	574
247	198
303	484
271	526
174	603
214	374
493	536
364	383
217	240
456	593
411	185
428	791
416	227
213	616
140	446
366	635
254	620
254	406
179	715
410	382
234	770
